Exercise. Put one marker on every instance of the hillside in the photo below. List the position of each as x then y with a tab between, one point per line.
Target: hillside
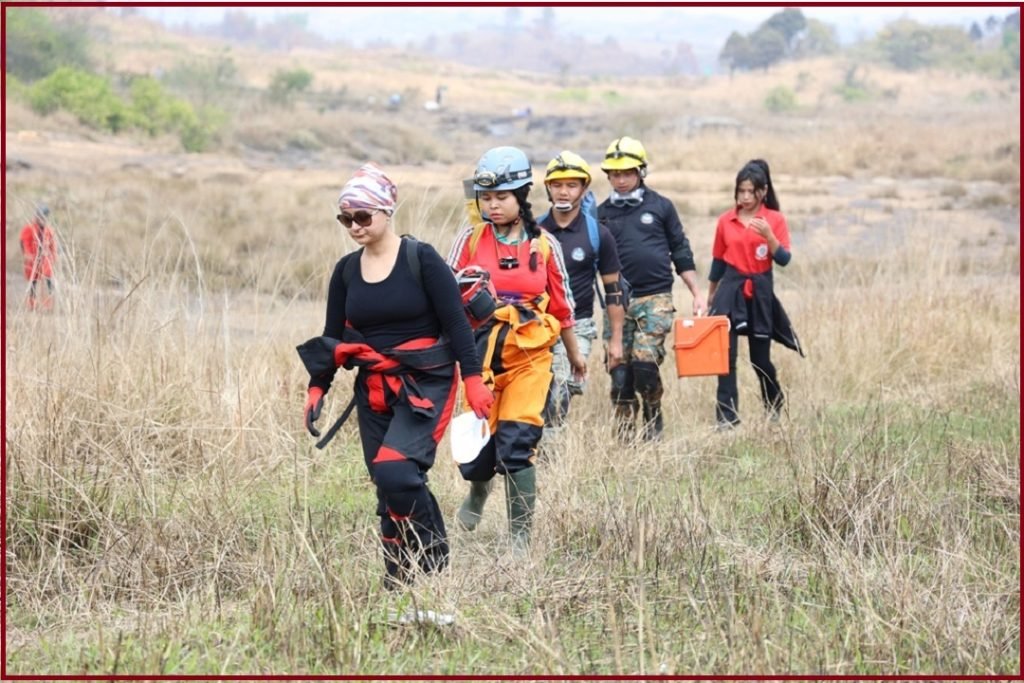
349	106
940	128
937	127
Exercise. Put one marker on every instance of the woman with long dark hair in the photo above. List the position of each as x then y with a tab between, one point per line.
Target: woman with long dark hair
534	309
749	239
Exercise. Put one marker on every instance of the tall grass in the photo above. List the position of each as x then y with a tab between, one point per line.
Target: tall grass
167	513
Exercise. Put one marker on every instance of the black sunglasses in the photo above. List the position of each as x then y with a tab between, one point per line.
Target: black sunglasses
361	218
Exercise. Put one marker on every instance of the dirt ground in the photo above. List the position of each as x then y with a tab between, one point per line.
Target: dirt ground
830	214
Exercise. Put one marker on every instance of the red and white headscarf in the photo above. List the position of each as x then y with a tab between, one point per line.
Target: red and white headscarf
369	188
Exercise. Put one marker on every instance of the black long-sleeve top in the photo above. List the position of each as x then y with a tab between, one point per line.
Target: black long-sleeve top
399	308
650	240
579	259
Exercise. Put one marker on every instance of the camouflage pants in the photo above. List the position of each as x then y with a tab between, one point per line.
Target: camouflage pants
586	333
637	382
648	323
563	385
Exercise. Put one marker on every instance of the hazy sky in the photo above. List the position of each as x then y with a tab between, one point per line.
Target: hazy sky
403	22
705	28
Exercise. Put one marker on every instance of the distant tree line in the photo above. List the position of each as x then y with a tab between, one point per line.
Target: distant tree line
785	34
285	32
48	65
904	44
35	46
995	49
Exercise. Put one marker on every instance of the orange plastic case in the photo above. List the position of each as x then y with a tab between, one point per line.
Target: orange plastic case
701	346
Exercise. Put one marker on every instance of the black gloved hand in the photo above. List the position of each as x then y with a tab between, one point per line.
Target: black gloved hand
314	404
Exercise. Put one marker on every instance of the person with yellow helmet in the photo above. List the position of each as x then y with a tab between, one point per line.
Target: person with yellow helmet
650	241
590	254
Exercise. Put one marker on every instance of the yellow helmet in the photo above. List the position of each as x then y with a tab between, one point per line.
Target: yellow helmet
624	154
567	165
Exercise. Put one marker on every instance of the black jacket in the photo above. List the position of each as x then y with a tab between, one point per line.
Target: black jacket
762	316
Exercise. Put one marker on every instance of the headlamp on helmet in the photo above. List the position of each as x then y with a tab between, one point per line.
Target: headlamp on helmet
490	180
502	169
567	165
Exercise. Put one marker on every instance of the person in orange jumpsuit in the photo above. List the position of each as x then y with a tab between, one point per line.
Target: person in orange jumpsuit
535	310
39	256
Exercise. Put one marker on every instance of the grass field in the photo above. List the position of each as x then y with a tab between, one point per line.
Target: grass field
168	514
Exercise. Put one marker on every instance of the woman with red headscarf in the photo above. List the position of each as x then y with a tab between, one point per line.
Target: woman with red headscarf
404	331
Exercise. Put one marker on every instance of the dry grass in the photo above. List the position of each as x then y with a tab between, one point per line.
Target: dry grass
168	514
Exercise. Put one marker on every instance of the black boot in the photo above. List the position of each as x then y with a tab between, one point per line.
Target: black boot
654	424
624	400
648	386
625	418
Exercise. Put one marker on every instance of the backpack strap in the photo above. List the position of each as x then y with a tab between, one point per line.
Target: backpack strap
412	256
545	247
348	271
589	208
474	239
595	239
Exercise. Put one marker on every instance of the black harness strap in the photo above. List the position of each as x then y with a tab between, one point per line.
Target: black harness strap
337	424
431	360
